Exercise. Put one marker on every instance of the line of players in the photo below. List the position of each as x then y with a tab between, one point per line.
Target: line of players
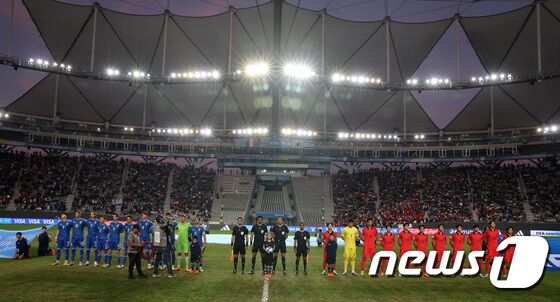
105	240
487	240
272	244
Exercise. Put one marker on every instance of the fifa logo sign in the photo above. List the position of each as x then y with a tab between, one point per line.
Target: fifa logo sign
526	269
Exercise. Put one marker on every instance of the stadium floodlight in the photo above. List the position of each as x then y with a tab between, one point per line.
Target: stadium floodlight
112	72
298	71
546	129
215	74
539	130
554	128
31	61
493	77
206	132
257	69
336	77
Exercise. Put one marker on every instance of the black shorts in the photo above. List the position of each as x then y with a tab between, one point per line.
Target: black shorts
301	252
239	249
257	247
280	247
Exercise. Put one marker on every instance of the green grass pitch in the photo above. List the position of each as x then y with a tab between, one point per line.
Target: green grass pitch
36	280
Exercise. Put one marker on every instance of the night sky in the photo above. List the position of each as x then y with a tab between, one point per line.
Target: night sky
441	106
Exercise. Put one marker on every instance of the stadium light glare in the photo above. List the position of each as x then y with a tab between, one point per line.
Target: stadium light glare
257	69
554	128
539	130
298	71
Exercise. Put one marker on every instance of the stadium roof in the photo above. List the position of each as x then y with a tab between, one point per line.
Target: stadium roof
506	42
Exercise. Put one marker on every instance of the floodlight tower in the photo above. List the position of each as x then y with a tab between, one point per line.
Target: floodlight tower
276	61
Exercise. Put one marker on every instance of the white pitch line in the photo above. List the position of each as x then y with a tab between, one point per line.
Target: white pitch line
265	291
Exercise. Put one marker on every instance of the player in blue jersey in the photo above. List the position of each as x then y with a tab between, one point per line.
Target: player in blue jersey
63	238
91	239
78	226
102	232
127	229
199	231
114	246
145	233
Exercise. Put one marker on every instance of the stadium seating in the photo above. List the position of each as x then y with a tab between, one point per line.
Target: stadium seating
37	181
192	192
10	167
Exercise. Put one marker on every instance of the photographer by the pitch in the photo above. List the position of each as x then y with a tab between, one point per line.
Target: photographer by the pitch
135	246
161	233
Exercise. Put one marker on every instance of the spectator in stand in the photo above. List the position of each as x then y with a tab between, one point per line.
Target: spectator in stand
192	192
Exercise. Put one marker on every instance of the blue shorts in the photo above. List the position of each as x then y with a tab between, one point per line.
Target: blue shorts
78	242
62	244
91	242
114	245
101	245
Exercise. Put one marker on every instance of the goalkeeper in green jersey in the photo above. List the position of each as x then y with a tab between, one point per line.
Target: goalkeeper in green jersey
182	243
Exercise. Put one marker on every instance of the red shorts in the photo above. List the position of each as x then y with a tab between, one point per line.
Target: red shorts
491	252
508	257
368	251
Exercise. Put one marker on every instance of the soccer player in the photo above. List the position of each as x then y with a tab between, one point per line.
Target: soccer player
439	240
78	226
302	246
258	231
239	243
388	244
269	246
128	225
457	242
63	238
182	244
145	233
475	240
280	231
349	235
102	232
91	239
198	231
508	252
491	237
369	236
326	235
421	244
114	246
405	240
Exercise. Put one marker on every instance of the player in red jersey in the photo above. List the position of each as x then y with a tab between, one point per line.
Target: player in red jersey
439	240
491	237
405	240
475	240
326	236
388	244
508	252
421	244
457	242
369	236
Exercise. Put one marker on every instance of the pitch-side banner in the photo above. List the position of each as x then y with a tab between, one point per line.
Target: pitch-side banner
553	262
8	241
41	221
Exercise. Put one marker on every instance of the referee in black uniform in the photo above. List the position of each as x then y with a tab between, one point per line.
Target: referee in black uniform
280	231
239	242
257	240
301	247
